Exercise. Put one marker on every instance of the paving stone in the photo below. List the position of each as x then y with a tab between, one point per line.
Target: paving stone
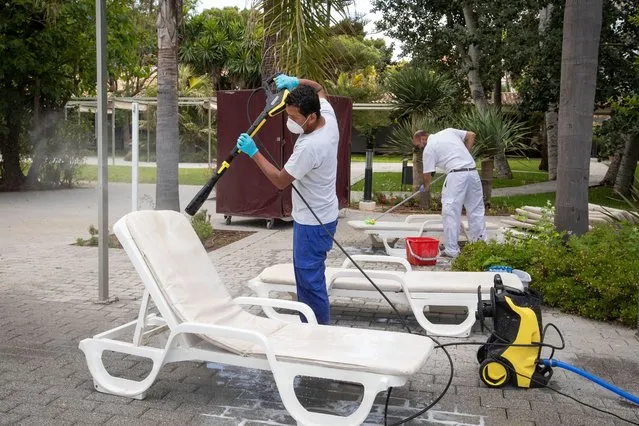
39	399
6	406
167	416
9	419
128	410
79	404
122	420
85	417
44	421
27	409
583	419
539	417
500	402
218	421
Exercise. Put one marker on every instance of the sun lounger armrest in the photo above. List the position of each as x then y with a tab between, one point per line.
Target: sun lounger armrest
412	218
354	273
227	332
279	303
377	259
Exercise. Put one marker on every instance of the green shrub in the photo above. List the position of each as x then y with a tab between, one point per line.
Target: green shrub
202	225
595	275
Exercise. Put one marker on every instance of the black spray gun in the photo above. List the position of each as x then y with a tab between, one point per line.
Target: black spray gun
275	104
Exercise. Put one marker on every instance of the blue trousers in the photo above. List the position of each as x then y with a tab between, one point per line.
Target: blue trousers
311	243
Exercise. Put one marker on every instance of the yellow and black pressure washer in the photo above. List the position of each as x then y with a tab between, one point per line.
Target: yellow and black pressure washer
513	349
275	104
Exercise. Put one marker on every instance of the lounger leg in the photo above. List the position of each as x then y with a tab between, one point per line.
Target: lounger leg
106	383
373	384
444	330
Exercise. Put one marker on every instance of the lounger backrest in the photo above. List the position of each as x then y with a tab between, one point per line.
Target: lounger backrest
177	270
180	265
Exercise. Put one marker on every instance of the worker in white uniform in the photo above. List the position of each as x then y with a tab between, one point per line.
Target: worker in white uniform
449	150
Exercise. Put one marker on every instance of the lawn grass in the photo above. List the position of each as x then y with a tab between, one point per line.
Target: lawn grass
601	195
377	158
391	181
195	176
519	163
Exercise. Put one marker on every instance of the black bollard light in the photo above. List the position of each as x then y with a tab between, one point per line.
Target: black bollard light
368	176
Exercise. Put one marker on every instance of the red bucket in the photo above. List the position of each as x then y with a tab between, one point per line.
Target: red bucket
422	251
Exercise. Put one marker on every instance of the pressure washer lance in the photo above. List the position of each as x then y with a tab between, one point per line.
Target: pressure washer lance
275	104
371	221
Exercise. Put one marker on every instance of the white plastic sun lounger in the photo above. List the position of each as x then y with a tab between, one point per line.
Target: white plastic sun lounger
419	289
206	324
416	225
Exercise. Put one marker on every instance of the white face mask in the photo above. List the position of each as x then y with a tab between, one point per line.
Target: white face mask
293	127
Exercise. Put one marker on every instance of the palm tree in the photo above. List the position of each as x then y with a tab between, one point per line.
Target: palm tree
167	139
579	57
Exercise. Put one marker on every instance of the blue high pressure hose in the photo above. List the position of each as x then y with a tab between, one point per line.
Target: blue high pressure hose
556	363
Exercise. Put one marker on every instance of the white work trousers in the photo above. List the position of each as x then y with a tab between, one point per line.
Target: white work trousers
462	189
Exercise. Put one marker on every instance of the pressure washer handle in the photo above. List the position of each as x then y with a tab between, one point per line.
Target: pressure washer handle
267	84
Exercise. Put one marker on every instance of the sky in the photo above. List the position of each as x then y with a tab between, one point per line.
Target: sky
362	7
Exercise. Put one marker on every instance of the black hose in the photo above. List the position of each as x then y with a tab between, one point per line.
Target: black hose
401	318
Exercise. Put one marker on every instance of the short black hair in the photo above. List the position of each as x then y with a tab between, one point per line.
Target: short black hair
306	99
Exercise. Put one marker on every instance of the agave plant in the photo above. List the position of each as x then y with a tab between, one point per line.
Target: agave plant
496	134
421	91
400	140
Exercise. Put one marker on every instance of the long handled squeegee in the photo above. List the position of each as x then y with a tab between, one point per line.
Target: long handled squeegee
275	104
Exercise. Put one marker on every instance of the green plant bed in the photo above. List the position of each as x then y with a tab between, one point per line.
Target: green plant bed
391	181
595	275
195	176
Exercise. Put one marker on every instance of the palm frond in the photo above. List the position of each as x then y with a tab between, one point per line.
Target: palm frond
300	29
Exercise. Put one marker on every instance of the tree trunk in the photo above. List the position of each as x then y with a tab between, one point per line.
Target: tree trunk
551	118
11	173
472	59
543	146
502	168
167	146
487	166
580	49
549	141
628	165
40	133
269	65
613	169
497	94
418	178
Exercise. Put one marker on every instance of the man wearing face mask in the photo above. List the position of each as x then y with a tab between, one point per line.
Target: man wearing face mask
312	169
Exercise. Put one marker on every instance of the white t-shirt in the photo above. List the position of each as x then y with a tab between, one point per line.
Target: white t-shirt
313	164
446	150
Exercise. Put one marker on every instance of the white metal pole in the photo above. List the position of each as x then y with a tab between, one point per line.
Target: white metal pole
103	153
209	133
135	123
113	132
148	138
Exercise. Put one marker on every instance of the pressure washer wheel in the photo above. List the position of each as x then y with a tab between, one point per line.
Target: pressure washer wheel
227	219
494	373
270	223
